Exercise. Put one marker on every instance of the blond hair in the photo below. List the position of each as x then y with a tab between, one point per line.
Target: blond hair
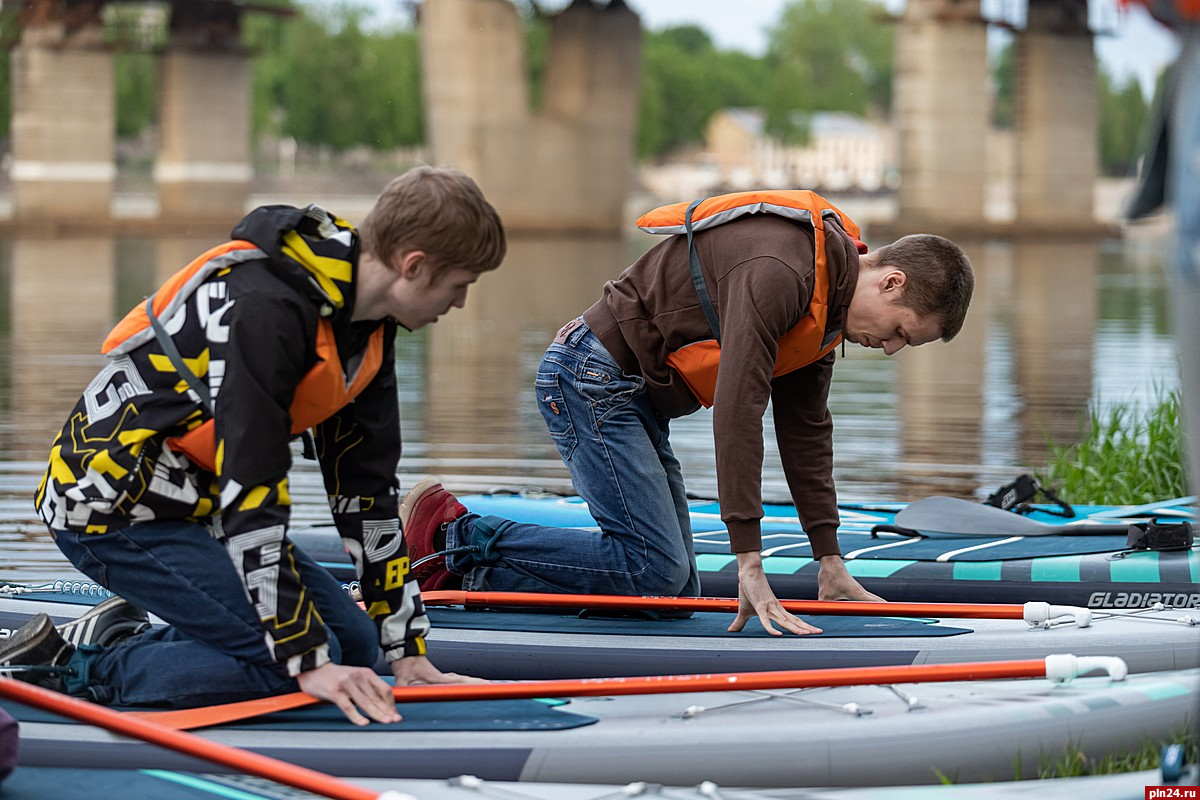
440	211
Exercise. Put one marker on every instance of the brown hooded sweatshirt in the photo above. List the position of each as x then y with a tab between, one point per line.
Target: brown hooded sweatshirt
759	270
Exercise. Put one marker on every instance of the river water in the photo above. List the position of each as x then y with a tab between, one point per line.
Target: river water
1055	328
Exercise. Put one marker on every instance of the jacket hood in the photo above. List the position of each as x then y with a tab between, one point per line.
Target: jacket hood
310	245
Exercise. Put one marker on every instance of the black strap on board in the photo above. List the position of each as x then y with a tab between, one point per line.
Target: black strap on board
1016	495
1160	535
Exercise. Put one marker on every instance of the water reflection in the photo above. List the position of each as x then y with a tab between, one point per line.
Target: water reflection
62	295
1054	326
1053	331
61	307
1027	349
939	395
481	358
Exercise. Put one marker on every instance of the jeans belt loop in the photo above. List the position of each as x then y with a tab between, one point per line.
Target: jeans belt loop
564	333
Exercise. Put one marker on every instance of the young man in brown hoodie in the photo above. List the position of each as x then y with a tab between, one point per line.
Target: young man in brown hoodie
768	285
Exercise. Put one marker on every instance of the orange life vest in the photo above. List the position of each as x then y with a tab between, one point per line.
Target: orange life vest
323	390
804	343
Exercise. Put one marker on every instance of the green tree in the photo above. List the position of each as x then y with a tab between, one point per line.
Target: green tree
685	79
537	47
1004	81
829	56
1122	116
324	79
9	34
264	36
5	93
137	38
136	77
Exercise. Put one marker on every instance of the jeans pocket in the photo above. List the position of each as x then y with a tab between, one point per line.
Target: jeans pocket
554	410
608	391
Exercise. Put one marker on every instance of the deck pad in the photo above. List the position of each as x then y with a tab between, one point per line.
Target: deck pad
782	543
468	715
704	624
472	715
40	783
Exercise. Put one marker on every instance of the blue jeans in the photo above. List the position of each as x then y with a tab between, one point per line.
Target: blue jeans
213	650
617	450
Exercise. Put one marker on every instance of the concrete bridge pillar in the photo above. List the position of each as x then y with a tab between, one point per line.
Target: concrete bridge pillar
63	117
589	112
204	168
1056	115
477	93
567	167
941	108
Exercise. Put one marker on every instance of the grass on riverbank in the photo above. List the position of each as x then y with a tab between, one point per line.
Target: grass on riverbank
1073	763
1126	457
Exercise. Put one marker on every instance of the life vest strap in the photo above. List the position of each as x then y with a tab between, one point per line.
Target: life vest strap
706	303
172	353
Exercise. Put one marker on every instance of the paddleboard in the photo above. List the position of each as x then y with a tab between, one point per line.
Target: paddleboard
1127	786
507	644
1093	570
39	783
966	731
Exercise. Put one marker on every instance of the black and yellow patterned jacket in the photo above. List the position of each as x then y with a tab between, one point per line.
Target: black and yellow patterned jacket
260	322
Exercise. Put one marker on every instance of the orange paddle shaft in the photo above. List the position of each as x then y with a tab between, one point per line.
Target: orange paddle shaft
826	607
654	684
138	727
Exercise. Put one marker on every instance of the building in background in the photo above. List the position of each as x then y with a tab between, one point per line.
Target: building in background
845	156
842	152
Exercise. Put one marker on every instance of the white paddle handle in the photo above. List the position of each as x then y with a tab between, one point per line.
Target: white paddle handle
1065	667
1041	613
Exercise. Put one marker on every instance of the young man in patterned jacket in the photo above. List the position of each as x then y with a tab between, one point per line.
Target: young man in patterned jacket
168	484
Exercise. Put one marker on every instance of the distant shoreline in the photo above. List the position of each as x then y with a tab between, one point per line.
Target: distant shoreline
135	212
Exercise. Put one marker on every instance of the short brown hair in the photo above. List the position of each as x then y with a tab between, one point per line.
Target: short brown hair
940	278
440	211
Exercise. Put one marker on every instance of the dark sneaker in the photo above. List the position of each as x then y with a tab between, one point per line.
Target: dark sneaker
424	514
37	643
112	621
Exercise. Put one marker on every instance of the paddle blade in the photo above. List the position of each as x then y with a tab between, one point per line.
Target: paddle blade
951	516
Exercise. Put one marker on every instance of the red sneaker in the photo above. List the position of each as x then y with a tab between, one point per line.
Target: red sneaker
424	513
